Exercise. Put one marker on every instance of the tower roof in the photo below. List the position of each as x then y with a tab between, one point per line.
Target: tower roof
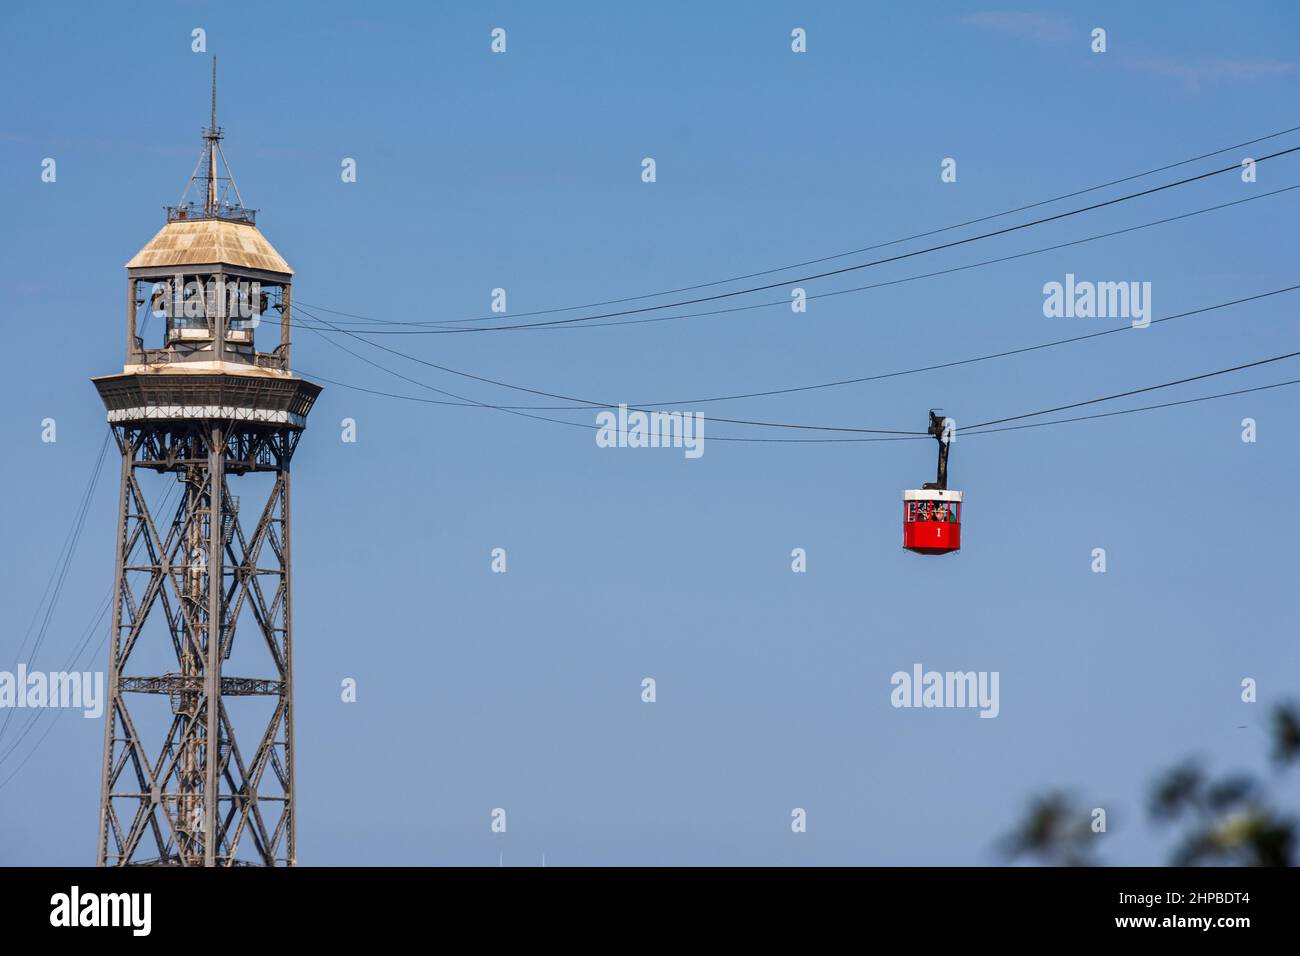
217	232
195	242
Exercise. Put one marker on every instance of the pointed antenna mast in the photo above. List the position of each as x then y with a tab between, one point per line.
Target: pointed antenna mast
212	136
205	178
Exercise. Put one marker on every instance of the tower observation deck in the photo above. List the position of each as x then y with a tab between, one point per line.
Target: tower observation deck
198	763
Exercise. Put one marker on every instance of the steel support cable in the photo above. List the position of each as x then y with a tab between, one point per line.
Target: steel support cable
59	575
813	441
504	408
908	255
465	400
550	326
835	428
1138	391
83	512
903	372
73	664
871	248
582	404
1130	411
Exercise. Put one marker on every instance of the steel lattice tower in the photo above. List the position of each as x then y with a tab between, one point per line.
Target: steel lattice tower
196	563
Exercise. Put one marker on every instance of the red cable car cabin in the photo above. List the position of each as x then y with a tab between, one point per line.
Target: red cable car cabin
932	520
932	513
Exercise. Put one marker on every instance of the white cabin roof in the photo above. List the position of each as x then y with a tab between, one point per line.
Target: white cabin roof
931	494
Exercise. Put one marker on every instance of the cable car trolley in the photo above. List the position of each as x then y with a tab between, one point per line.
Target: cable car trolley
932	513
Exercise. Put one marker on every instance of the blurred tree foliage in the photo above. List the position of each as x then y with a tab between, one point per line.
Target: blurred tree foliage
1228	820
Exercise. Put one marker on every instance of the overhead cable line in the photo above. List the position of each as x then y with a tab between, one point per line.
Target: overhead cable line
1139	391
1129	411
820	295
835	428
870	248
581	405
915	252
59	575
881	376
568	324
821	441
73	664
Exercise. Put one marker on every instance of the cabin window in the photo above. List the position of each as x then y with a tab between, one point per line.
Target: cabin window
946	511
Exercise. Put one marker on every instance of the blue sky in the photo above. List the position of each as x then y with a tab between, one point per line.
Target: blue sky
523	171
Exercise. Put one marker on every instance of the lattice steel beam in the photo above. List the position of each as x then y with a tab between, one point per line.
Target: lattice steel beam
176	787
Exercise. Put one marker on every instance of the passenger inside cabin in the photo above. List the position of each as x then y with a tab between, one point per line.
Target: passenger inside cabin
932	511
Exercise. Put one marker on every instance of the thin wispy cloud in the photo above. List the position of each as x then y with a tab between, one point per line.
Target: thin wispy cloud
1026	24
1057	29
1196	73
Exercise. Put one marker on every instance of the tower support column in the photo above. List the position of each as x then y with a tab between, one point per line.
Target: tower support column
178	788
212	669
